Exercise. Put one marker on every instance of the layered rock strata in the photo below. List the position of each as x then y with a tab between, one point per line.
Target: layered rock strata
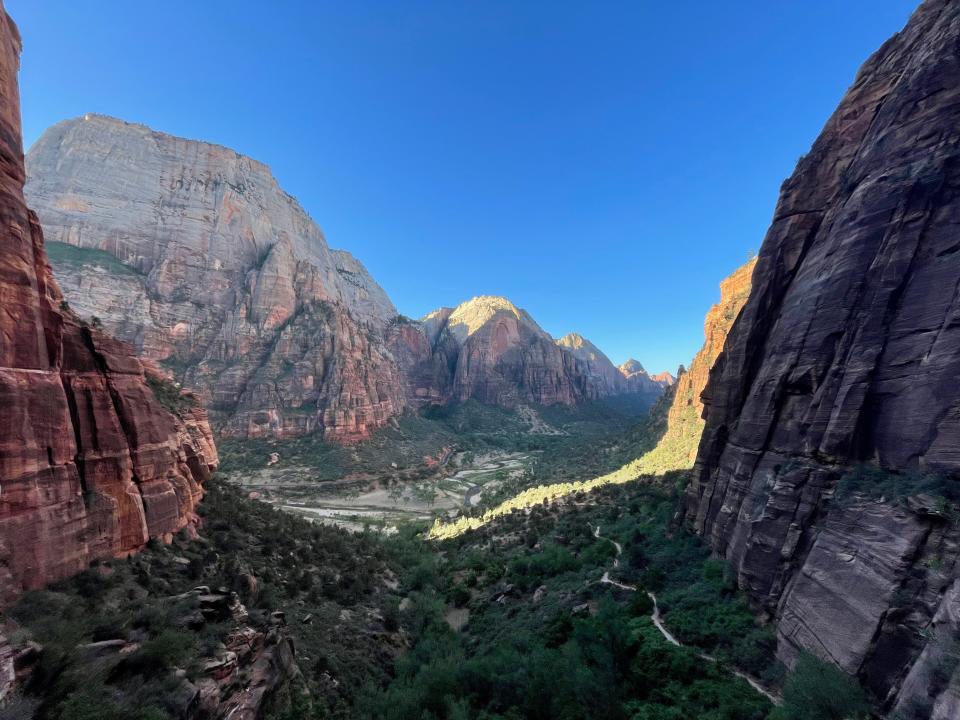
487	349
192	253
677	449
91	464
848	352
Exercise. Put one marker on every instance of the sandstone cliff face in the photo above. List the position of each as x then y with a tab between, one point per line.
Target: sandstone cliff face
677	449
192	253
488	350
637	376
847	352
92	465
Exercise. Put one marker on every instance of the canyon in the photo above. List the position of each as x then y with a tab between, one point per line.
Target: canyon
847	354
168	294
194	255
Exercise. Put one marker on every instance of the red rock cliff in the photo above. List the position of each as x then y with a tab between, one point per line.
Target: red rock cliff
848	352
91	464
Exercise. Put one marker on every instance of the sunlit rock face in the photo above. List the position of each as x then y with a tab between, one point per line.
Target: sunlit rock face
489	350
91	464
677	449
848	352
193	253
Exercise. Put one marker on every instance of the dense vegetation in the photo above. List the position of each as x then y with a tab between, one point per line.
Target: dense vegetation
169	395
471	426
598	461
331	585
544	638
511	620
895	487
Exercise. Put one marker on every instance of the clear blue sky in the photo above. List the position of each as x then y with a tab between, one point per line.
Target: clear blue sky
603	164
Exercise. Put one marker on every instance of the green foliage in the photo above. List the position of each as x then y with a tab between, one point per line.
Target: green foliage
67	255
895	487
169	395
517	658
817	690
327	574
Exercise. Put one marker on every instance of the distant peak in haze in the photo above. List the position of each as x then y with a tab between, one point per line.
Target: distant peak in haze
580	345
631	367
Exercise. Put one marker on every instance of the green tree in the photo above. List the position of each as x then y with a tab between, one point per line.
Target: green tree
817	690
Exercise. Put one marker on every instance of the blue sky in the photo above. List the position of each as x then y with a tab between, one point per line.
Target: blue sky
604	165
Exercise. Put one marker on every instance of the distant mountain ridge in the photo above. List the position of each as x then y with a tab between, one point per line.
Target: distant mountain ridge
193	253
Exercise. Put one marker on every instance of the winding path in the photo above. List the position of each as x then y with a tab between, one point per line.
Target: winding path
669	636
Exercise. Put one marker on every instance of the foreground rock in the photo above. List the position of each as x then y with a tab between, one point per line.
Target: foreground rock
92	464
847	352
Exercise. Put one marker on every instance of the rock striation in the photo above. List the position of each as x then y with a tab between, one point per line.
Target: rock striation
92	465
489	350
677	449
192	253
847	353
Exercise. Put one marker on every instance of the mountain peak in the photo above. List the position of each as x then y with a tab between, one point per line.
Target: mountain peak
580	345
470	316
632	367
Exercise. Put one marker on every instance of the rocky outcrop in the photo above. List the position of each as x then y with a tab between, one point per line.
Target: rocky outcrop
665	378
192	253
677	449
92	464
848	352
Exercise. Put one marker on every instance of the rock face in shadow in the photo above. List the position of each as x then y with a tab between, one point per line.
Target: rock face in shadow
193	254
848	352
92	464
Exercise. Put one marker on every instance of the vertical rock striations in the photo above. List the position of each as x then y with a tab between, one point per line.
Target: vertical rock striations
677	449
489	350
91	464
848	352
192	253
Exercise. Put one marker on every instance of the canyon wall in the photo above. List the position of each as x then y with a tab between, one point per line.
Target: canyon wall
846	354
92	464
487	349
677	449
195	255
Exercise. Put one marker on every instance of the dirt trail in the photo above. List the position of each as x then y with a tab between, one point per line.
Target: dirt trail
669	636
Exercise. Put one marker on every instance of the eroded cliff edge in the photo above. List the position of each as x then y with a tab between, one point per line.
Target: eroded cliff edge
847	353
92	465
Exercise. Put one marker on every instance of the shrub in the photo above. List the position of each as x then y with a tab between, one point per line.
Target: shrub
817	690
